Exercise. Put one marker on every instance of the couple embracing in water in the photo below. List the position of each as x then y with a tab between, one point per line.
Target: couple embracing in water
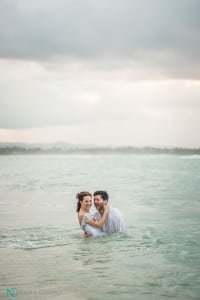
105	220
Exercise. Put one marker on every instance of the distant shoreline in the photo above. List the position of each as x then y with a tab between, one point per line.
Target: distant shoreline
14	150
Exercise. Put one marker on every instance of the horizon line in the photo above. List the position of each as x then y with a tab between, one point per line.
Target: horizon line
94	146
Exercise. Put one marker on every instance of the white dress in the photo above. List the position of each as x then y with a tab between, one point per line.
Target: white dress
88	228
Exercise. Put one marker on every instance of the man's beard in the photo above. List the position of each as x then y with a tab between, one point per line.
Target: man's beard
100	208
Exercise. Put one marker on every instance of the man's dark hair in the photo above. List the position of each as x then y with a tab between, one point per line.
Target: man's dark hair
103	194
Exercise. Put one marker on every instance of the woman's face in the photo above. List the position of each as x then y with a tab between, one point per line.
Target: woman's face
86	203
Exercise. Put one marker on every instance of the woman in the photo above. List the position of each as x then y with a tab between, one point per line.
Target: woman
89	225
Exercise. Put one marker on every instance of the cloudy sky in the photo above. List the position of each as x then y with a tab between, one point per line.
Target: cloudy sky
104	72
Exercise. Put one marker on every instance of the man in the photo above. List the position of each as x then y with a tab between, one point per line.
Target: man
114	221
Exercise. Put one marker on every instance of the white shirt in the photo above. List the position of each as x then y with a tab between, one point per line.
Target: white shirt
114	221
88	228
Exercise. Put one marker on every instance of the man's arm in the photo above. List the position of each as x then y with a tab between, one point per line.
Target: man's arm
117	221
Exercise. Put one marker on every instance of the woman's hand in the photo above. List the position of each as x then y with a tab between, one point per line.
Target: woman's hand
106	207
100	223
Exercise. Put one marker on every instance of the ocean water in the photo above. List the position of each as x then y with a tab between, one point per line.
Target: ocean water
43	254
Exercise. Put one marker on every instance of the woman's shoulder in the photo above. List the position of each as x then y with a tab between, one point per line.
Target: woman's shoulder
86	217
81	216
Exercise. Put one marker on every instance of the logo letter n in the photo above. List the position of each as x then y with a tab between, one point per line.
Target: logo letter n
12	292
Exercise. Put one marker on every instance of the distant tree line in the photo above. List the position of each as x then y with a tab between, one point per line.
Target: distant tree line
99	150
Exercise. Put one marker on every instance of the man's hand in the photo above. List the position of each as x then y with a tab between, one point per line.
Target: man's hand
87	235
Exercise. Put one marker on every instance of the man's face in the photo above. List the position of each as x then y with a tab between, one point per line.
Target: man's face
99	202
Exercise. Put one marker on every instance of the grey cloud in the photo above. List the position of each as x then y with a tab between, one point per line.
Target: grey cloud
156	34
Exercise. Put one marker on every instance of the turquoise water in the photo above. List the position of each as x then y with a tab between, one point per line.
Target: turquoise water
43	254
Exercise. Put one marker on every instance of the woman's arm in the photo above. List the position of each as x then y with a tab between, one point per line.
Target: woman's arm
101	222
